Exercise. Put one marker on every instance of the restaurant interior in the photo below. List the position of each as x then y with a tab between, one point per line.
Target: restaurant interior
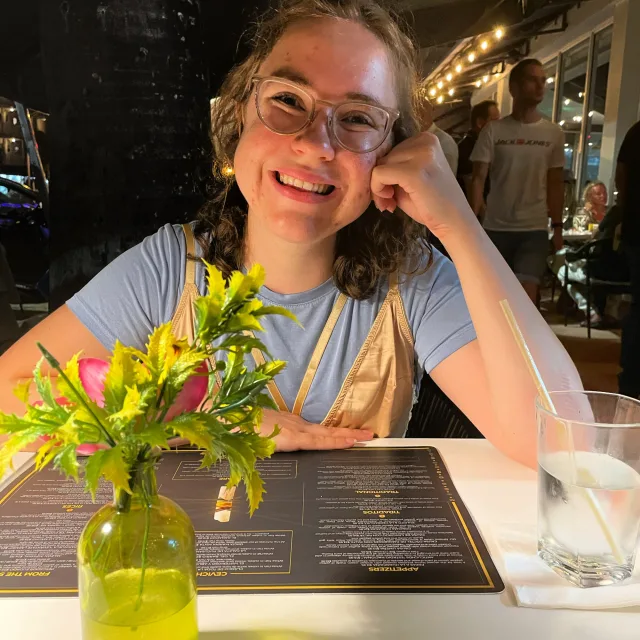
105	121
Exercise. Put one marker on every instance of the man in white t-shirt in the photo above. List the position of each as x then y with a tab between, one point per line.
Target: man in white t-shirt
523	154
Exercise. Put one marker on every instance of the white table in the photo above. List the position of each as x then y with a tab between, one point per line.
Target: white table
496	491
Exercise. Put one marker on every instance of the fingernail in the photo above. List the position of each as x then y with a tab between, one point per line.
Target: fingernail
350	441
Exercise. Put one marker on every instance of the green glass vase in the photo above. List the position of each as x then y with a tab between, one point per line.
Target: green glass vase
137	567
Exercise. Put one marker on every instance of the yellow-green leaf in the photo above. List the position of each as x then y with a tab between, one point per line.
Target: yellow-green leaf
257	275
108	464
192	428
160	349
46	453
239	287
216	283
155	435
22	389
276	311
124	371
243	322
70	392
132	407
67	461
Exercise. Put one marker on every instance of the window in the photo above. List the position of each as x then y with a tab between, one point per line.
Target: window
546	106
597	99
572	96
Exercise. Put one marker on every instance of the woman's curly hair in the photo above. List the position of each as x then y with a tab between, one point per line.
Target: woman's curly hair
375	244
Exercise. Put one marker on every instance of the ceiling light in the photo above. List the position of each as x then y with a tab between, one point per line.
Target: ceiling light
561	123
432	91
550	80
485	79
567	101
591	144
458	68
451	91
471	57
440	84
478	83
449	77
580	94
498	33
591	114
483	45
440	99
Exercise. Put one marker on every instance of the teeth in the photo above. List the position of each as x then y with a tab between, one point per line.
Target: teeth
305	186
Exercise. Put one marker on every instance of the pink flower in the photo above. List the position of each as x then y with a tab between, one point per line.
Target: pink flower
93	372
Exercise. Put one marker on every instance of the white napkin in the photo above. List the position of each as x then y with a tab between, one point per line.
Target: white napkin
536	585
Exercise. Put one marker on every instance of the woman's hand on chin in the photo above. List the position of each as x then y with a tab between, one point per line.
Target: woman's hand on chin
416	177
297	434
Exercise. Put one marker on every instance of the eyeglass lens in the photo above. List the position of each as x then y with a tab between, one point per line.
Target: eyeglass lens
286	109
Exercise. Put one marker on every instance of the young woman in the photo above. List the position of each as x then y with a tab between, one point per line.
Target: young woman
333	191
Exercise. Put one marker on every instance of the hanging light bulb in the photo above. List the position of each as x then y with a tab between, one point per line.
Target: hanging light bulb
458	68
440	84
449	77
440	99
432	91
471	57
485	79
478	83
484	45
451	91
498	33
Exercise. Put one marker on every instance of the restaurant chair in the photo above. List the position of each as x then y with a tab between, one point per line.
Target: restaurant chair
590	253
435	416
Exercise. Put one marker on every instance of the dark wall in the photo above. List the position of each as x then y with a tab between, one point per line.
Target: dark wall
128	92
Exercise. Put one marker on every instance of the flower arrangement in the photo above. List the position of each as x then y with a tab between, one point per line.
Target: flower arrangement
127	411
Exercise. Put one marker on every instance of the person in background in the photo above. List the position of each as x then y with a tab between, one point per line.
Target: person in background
481	115
523	154
628	185
607	263
448	144
594	206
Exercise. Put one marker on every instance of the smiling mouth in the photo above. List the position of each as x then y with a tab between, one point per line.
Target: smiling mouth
301	185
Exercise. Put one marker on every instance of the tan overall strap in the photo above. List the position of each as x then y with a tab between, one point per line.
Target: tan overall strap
190	267
318	352
310	373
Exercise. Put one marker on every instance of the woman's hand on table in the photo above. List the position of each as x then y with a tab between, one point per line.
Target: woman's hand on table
416	177
297	434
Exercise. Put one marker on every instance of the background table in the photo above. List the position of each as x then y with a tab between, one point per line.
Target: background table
497	492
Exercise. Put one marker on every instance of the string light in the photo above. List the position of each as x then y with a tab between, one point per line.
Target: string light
471	57
485	79
458	68
550	80
567	102
440	84
498	33
432	91
580	94
561	123
591	114
449	77
440	99
478	83
451	91
483	45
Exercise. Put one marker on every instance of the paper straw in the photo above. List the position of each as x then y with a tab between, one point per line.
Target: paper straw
585	474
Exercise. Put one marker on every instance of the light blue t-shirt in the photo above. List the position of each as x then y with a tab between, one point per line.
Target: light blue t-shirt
141	288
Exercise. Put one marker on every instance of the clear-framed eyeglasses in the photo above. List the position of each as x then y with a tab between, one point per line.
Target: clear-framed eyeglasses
286	108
